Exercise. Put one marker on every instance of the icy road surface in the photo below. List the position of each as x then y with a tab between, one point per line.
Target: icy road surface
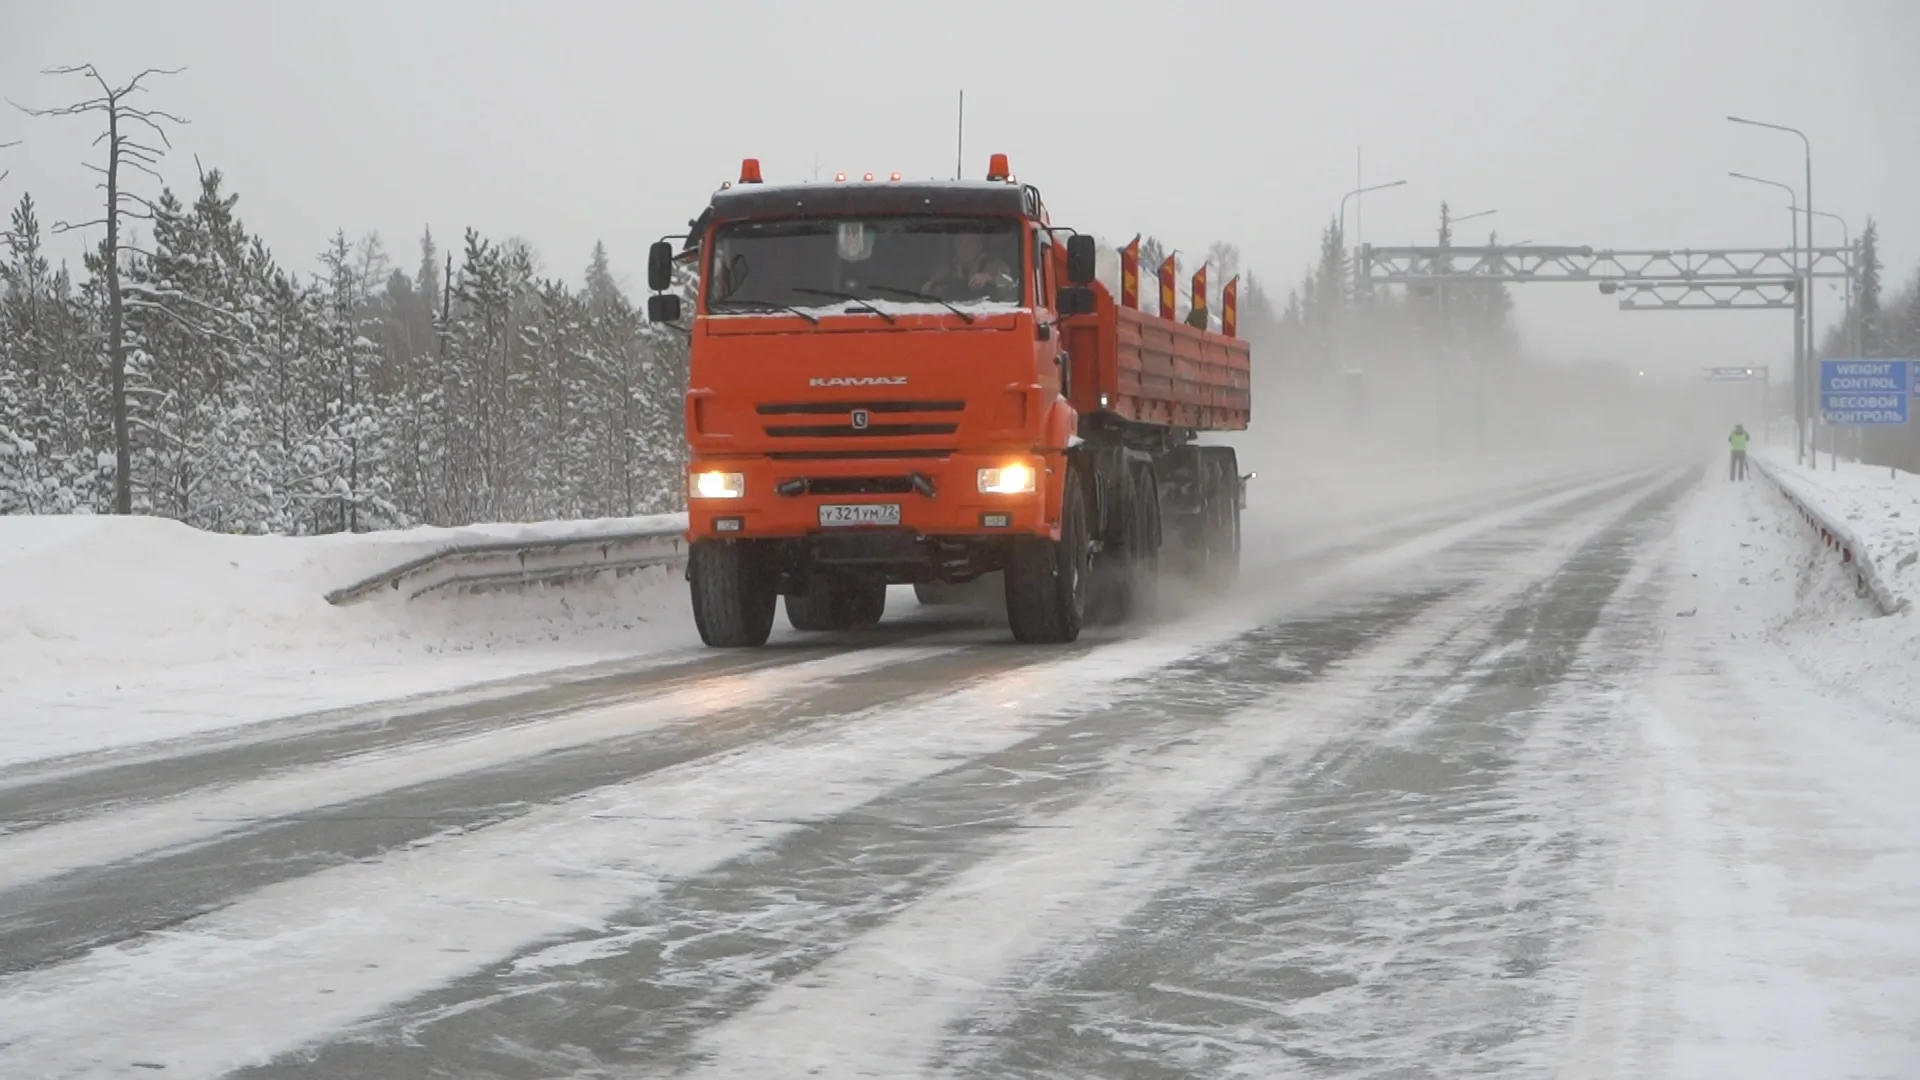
1529	789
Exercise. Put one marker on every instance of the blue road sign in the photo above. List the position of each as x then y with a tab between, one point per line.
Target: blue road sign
1865	392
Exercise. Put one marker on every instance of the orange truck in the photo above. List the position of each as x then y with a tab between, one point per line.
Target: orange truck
903	382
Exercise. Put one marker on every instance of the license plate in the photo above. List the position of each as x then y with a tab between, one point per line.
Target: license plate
834	515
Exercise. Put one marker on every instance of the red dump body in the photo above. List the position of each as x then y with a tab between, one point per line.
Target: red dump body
1151	370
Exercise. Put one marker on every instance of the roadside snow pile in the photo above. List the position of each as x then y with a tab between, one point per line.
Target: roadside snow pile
105	620
1876	513
1795	593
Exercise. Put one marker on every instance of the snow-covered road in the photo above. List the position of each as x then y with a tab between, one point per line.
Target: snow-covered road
1463	795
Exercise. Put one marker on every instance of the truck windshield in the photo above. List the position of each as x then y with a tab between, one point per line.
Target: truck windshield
957	262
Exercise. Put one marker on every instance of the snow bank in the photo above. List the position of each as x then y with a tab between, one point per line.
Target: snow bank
1873	511
1766	918
122	629
1793	593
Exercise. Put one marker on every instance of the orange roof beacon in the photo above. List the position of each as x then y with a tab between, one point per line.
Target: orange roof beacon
921	382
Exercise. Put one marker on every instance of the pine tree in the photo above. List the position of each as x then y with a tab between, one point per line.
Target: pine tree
1873	336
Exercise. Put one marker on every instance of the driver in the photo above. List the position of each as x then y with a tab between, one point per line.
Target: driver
971	271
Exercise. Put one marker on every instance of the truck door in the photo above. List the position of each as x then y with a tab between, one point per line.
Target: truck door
1046	329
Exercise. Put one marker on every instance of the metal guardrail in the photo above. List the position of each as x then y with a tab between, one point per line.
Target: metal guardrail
493	566
1836	536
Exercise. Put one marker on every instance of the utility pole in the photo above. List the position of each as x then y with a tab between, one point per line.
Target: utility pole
1808	384
1447	222
1802	285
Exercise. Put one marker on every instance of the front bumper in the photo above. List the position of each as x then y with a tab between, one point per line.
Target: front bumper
781	498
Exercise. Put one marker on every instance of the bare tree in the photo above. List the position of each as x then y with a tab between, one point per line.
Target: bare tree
127	127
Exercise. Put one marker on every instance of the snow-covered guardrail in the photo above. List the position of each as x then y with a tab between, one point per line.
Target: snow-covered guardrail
1837	537
508	564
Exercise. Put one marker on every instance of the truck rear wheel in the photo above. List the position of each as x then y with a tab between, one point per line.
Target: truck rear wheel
1143	548
1046	580
1223	528
837	603
733	598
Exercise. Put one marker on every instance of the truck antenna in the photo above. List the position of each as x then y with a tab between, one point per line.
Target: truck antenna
960	154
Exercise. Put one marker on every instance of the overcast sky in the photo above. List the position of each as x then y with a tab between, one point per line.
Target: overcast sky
567	121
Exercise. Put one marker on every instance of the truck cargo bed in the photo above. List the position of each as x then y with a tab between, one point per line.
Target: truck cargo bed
1149	370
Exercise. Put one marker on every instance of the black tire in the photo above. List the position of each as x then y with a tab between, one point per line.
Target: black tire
1143	548
837	603
862	600
1223	527
1047	581
733	599
814	609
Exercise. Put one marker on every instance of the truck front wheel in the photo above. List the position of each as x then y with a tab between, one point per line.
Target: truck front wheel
733	596
1046	580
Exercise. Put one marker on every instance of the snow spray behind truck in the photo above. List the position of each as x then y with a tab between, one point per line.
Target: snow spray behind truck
897	382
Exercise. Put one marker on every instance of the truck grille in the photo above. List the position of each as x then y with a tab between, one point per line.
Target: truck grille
858	485
832	431
833	408
896	411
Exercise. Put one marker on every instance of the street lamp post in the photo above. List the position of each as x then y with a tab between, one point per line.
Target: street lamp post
1343	216
1799	330
1811	347
1447	221
1360	191
1850	329
1340	343
1849	332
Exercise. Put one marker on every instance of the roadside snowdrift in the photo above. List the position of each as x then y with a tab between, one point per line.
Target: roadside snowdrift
1765	917
103	619
1877	511
1788	590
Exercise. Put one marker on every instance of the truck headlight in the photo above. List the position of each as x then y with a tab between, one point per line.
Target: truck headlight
1016	479
719	485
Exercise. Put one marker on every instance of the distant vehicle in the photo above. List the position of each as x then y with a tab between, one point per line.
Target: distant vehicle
898	382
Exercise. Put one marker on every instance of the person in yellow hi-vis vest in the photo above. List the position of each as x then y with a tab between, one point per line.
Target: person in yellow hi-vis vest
1737	467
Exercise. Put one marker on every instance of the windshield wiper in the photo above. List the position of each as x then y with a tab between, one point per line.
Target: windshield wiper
838	295
764	305
928	297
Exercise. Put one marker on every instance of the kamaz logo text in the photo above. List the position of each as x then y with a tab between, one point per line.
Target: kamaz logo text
860	380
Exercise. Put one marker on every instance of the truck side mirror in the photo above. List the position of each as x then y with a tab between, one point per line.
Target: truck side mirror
1073	300
663	308
660	266
1080	259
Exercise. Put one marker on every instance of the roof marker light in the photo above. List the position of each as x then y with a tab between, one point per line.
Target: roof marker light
750	171
997	168
839	176
868	176
895	176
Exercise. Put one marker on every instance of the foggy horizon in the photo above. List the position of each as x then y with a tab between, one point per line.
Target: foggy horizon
607	123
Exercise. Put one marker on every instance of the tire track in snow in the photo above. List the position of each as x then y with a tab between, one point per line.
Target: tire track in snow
361	935
565	864
226	843
1395	906
636	992
238	807
49	792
